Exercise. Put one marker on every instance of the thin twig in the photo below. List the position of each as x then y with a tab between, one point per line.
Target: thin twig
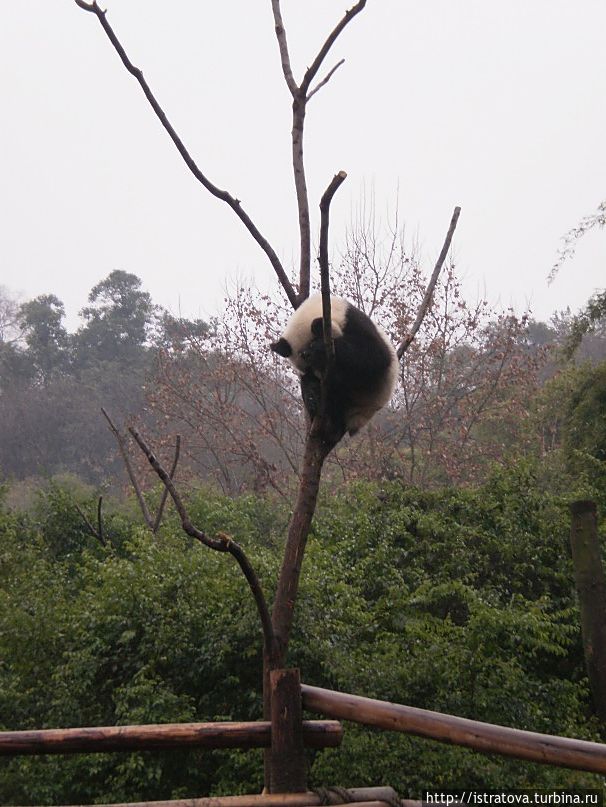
325	80
129	468
160	512
424	307
222	543
189	161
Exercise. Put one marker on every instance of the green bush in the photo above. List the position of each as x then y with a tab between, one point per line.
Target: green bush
457	601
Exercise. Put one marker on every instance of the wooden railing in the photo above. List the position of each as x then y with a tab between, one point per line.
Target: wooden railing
484	737
316	734
487	737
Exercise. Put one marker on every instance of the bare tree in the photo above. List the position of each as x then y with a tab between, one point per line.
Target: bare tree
321	437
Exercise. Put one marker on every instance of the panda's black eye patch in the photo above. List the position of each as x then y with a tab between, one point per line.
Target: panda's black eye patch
282	348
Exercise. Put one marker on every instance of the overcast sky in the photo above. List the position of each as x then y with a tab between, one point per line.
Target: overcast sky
497	107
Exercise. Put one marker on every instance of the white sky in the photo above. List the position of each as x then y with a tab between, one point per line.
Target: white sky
497	107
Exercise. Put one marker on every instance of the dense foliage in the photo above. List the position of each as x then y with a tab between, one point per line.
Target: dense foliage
460	601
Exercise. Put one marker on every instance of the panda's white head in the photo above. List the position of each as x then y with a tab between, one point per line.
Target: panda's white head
298	332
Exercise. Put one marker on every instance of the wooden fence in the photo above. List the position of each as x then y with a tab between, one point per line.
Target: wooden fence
484	737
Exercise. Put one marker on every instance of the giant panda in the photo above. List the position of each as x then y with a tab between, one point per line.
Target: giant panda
365	369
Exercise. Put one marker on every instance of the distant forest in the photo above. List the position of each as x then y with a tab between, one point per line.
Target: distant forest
54	383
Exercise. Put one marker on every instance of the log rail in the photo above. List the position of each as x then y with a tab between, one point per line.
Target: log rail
355	797
316	734
486	737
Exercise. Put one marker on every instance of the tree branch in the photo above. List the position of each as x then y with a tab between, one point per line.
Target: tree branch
311	71
222	543
189	161
298	164
98	532
325	80
160	512
129	469
283	45
327	196
424	307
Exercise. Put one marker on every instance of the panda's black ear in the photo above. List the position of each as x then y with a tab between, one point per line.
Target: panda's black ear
317	328
282	347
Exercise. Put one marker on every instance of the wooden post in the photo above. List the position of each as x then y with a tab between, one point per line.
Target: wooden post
591	588
288	762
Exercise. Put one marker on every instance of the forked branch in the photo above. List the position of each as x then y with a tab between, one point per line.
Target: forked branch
173	470
152	523
301	95
220	543
97	532
226	197
147	517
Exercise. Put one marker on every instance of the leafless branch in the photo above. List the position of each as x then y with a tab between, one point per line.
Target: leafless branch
160	512
325	80
95	532
311	71
298	124
149	521
327	196
283	45
226	197
222	543
425	304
